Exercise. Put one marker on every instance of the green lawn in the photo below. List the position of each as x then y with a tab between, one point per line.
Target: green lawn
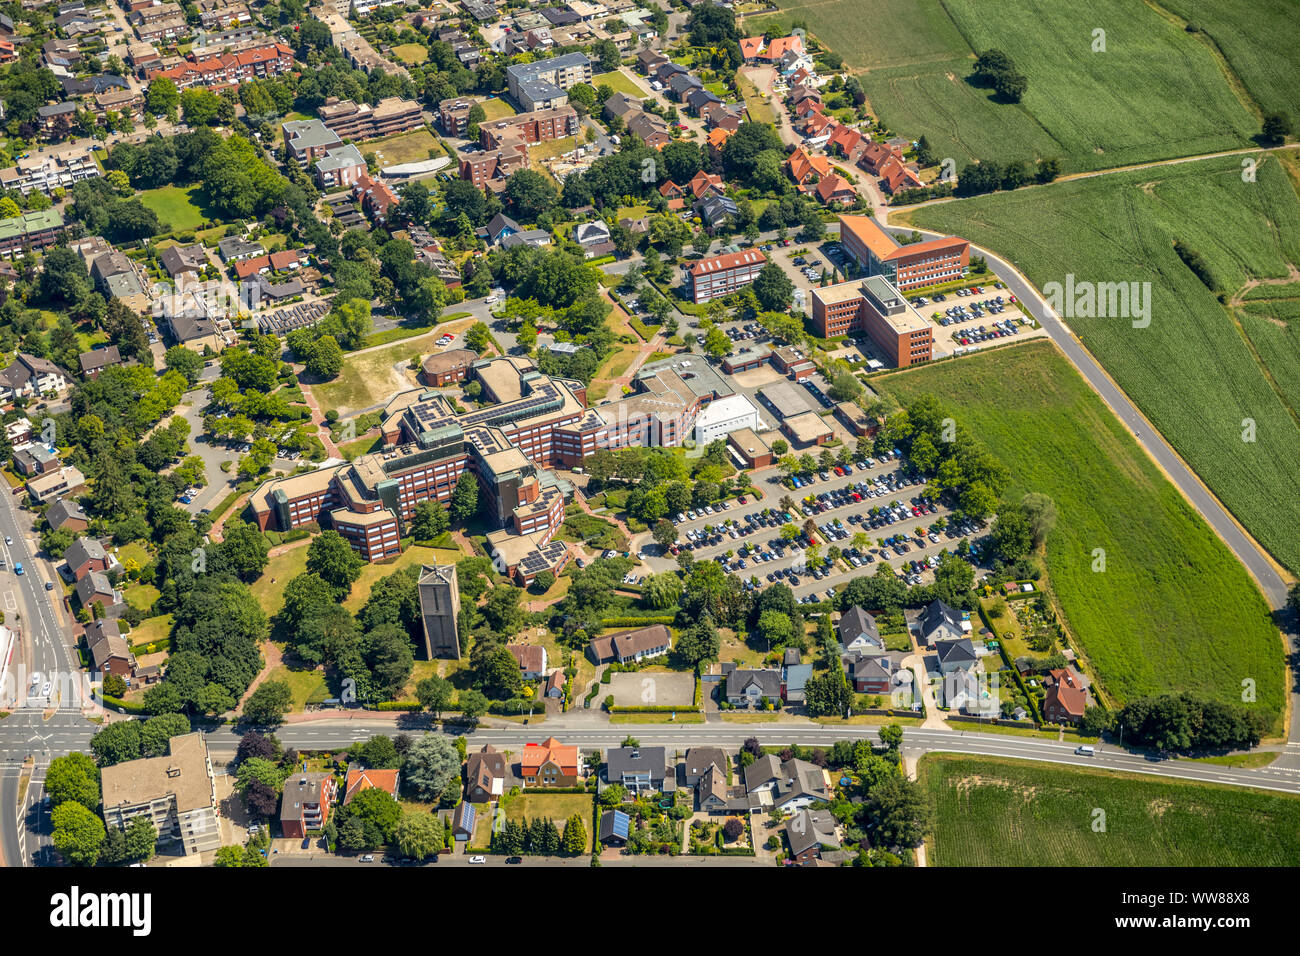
1195	374
996	812
305	686
619	82
412	147
496	107
178	207
269	588
557	806
411	54
1173	609
150	630
375	570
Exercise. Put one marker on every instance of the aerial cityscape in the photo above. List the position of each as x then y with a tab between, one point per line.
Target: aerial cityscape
780	433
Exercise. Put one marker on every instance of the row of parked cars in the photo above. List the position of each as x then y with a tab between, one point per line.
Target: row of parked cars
998	330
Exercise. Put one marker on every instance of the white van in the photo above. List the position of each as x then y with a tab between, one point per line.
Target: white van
1085	750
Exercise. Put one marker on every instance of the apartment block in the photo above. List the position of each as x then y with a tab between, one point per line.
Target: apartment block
540	126
722	275
45	172
228	69
34	230
389	116
454	114
541	84
308	140
177	792
874	306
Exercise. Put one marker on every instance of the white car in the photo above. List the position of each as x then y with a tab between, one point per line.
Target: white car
478	859
45	689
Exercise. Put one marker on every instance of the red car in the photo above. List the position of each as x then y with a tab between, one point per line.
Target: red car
743	501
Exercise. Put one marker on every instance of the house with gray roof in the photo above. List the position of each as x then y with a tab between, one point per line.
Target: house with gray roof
954	655
750	687
792	785
939	622
858	633
640	769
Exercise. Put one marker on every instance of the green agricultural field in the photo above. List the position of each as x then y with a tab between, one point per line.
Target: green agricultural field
1156	92
990	811
1260	47
1192	371
176	206
1173	609
1273	328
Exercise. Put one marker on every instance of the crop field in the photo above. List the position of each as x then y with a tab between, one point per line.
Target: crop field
1173	609
1273	327
1260	47
1156	92
990	811
1191	371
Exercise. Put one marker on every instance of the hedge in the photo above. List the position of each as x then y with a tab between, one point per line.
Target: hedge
405	705
653	709
124	706
153	647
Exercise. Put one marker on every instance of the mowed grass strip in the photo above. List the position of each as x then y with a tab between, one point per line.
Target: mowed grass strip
1173	610
991	811
1191	371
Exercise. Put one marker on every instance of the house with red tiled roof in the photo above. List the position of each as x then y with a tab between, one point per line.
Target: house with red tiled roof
1066	699
717	139
750	48
806	168
548	764
228	69
836	190
364	779
704	183
896	176
817	123
875	155
846	142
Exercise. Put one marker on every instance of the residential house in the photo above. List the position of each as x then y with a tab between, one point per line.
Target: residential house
1067	696
67	513
180	260
938	622
305	803
794	680
31	230
548	764
640	769
28	375
627	646
501	226
808	832
108	649
791	785
594	238
554	688
95	588
752	687
362	778
652	129
531	659
85	555
94	362
806	168
896	176
858	633
56	484
700	760
621	105
486	775
955	655
715	210
33	459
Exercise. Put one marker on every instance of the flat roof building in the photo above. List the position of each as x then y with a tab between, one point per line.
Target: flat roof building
177	792
911	266
722	275
874	306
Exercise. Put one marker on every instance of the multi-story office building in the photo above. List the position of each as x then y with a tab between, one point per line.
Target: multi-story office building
722	275
534	422
906	266
177	792
874	306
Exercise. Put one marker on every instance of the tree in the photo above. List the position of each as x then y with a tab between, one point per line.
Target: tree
1012	533
186	361
574	841
827	695
733	829
473	705
1040	510
326	359
464	498
141	840
665	533
773	289
430	763
900	811
73	777
429	520
253	744
1276	127
530	193
434	694
200	106
162	97
418	835
700	642
267	705
716	343
846	387
376	809
332	559
78	833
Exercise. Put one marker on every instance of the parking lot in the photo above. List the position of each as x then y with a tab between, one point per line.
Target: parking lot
758	550
652	689
965	323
